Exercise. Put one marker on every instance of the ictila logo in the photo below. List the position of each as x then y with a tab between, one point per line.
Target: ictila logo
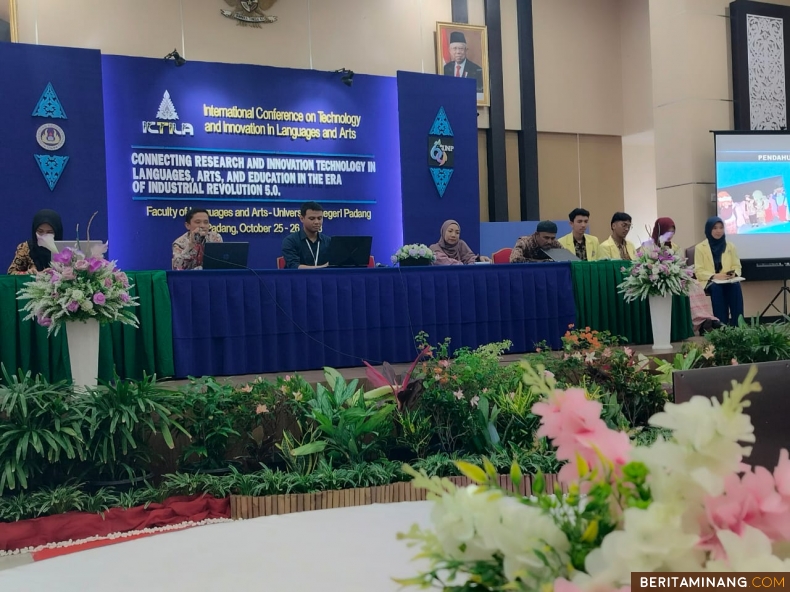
441	147
50	136
167	111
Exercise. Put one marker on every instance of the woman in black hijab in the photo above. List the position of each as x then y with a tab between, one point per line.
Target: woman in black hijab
29	256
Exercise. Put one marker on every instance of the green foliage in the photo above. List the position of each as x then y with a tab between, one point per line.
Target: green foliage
415	431
750	342
120	416
38	426
353	430
209	419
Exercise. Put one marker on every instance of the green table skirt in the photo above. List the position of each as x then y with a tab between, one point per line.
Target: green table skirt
129	351
599	305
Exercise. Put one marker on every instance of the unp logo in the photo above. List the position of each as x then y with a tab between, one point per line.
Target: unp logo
440	151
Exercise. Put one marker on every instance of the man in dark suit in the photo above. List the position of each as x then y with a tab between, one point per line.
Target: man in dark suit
460	67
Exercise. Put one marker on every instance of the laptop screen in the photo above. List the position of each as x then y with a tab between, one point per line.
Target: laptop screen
350	251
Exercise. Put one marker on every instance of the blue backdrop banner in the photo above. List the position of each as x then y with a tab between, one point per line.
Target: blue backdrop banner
438	154
249	144
51	141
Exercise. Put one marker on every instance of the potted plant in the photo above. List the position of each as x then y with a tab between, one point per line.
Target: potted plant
83	290
39	430
657	274
415	254
120	417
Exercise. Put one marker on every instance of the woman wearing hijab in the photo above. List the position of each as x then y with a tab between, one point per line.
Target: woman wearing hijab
702	316
716	259
29	257
451	250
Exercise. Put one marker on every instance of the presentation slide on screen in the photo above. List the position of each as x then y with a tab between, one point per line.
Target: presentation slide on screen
752	174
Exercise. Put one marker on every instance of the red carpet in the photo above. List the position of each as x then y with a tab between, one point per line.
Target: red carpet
75	526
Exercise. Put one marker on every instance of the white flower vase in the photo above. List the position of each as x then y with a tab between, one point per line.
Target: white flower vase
83	340
661	320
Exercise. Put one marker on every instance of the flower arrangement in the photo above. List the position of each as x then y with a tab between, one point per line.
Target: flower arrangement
657	271
586	339
682	504
77	288
415	251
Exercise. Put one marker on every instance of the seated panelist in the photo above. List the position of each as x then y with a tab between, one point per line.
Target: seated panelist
716	259
309	247
616	246
31	258
451	250
584	246
530	248
188	248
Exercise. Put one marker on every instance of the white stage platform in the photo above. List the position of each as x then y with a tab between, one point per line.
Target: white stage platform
342	550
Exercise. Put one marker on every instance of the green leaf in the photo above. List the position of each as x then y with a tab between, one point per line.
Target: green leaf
538	483
310	448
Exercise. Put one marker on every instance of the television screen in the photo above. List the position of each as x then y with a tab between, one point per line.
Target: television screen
752	173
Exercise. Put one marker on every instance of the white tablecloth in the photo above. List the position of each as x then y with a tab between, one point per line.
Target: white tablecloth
342	550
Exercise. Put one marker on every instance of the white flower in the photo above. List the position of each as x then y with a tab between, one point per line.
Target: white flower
458	517
651	540
77	295
86	305
520	532
749	552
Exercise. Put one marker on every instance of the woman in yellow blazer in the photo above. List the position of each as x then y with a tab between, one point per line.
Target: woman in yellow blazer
716	259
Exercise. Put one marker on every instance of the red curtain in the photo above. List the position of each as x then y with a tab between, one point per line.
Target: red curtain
81	525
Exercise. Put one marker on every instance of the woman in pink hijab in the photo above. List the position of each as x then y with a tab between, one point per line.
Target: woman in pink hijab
451	250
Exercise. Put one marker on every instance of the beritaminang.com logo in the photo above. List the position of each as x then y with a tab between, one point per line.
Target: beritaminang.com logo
167	116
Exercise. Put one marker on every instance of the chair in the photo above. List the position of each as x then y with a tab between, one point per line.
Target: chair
690	255
502	255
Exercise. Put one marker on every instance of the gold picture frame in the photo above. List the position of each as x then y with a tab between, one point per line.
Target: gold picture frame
470	44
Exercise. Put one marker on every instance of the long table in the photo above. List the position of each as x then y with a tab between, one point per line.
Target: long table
128	351
235	323
600	307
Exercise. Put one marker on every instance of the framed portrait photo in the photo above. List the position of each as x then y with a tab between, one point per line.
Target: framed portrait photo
462	51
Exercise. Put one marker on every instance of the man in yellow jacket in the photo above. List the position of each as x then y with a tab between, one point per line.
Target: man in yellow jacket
584	246
616	246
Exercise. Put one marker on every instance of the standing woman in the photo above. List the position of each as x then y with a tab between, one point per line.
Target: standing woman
716	259
702	316
29	257
451	250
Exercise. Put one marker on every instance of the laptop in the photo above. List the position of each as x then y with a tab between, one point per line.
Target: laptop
225	255
85	246
560	255
350	251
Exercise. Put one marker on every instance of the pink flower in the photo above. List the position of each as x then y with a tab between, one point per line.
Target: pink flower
474	401
124	297
444	363
563	585
607	352
99	298
54	278
575	427
73	306
459	394
63	257
247	388
261	409
782	474
548	373
108	282
733	362
81	265
68	274
287	377
94	265
44	321
628	351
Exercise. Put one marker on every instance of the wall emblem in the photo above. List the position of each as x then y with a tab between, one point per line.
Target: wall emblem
249	13
51	137
441	149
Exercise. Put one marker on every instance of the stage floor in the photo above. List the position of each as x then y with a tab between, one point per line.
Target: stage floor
341	550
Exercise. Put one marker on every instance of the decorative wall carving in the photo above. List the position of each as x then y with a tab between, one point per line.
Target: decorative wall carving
766	62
